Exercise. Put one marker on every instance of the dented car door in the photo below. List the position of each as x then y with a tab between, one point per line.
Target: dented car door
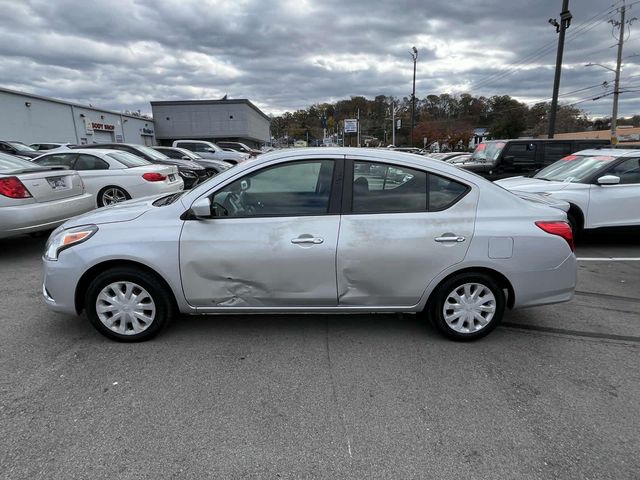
271	243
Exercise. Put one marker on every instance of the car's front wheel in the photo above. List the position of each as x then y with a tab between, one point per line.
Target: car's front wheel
128	305
467	306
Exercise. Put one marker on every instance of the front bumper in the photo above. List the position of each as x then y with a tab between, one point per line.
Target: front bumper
59	283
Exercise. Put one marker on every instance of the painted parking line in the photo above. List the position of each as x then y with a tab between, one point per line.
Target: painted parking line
608	259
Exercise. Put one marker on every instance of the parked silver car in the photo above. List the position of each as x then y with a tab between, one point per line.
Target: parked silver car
35	198
315	230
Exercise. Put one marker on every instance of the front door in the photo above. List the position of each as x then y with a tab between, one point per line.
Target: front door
402	227
616	205
271	243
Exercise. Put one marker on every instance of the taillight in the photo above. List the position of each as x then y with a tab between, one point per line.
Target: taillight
12	187
562	229
154	177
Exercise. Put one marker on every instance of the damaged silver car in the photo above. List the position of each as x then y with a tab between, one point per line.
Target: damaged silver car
315	230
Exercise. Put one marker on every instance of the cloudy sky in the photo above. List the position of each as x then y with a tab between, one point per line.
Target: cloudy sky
288	54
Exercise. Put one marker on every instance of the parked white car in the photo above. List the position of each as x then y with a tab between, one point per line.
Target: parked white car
35	198
112	176
315	230
210	150
602	187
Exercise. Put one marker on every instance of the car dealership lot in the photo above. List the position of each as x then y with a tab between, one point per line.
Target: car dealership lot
553	393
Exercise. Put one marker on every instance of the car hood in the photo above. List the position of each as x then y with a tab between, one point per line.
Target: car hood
186	164
527	184
120	212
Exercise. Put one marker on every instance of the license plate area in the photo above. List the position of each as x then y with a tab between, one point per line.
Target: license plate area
57	183
172	177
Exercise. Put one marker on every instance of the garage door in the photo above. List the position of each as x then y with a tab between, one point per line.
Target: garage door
102	137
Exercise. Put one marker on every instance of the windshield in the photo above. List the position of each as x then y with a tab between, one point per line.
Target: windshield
129	160
21	147
574	168
487	151
7	162
152	153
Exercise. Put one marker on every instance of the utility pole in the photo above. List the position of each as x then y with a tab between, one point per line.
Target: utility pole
393	125
414	55
358	136
616	88
565	21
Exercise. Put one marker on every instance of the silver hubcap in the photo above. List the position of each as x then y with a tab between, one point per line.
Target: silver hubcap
113	195
126	308
469	308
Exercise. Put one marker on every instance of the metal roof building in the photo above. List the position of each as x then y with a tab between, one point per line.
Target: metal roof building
233	120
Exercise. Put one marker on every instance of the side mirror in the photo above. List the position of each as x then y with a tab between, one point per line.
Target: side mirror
201	208
508	160
608	180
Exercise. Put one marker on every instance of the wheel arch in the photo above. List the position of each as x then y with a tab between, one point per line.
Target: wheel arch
94	271
111	185
500	278
576	212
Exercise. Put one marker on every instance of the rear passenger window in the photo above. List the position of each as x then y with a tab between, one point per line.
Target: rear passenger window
64	159
89	162
380	188
555	151
444	192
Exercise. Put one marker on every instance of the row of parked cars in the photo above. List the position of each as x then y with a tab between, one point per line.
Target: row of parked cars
39	189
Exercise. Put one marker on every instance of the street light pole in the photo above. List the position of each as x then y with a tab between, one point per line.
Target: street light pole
414	55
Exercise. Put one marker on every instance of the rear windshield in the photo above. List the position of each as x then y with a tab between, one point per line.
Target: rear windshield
21	147
8	163
574	168
487	151
128	159
152	153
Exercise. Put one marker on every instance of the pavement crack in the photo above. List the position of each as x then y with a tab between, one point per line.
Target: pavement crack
607	295
572	333
334	392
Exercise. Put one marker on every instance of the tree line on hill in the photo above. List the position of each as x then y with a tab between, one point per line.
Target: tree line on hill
442	118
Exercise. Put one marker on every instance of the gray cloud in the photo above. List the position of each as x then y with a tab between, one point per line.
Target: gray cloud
287	54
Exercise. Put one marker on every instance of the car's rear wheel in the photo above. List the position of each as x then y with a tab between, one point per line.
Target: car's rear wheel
111	195
467	306
128	305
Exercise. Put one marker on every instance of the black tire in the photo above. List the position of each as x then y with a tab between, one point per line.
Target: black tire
436	305
576	228
100	198
162	299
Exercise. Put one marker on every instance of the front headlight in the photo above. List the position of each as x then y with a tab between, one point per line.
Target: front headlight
67	238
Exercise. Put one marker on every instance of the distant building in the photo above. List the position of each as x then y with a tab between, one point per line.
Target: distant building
627	135
479	136
236	120
33	118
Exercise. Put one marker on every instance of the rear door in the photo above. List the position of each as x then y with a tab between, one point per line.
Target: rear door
554	151
522	157
401	227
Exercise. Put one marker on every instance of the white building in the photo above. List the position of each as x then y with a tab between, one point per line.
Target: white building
29	118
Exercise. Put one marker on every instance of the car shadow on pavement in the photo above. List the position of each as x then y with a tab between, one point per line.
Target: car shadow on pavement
22	246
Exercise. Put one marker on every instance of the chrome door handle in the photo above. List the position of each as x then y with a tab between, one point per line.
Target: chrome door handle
314	240
457	239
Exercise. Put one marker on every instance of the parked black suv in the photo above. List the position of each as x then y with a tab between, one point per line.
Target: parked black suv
507	158
190	171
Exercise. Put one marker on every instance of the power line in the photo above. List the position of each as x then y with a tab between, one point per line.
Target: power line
547	48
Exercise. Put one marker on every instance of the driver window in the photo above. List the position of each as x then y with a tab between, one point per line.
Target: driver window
628	171
292	189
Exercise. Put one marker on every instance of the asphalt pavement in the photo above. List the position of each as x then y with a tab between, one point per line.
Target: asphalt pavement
553	393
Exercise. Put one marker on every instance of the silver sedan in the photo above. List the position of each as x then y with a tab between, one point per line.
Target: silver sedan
35	198
315	230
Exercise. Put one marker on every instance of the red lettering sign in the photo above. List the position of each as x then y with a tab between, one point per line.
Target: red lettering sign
103	126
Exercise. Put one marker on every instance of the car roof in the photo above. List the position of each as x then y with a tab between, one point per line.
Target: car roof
610	152
89	151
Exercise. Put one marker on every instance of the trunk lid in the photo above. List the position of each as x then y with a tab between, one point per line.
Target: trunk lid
49	185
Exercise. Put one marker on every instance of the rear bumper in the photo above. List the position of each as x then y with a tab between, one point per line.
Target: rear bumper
534	288
34	217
